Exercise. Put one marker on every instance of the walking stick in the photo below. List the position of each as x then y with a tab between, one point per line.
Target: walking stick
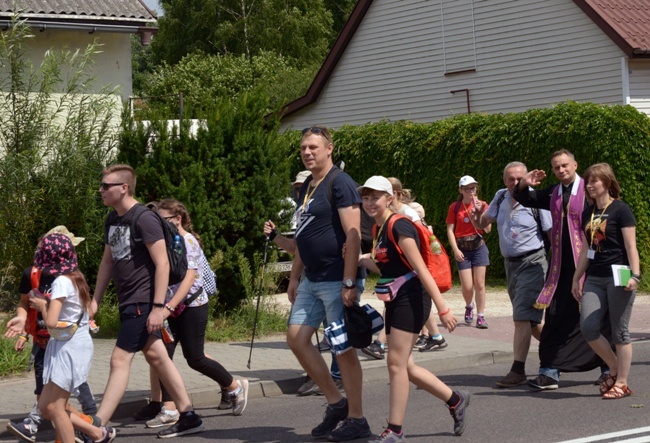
259	295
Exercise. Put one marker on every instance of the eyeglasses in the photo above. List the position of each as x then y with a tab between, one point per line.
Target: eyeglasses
318	131
107	186
472	189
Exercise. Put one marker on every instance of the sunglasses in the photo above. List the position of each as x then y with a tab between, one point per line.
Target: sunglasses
170	217
318	131
107	186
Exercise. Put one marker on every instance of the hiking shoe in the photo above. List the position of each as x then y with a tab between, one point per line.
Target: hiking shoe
469	314
166	417
323	346
149	412
25	430
109	436
309	387
603	376
375	350
188	423
389	436
350	429
225	402
543	383
337	382
481	323
331	419
511	380
421	341
240	400
80	437
458	412
433	344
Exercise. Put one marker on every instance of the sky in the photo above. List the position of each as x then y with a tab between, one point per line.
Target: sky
154	5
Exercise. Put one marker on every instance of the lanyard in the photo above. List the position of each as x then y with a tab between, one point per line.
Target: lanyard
309	194
512	210
600	217
375	241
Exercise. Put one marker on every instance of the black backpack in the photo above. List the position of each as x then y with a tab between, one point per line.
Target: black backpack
177	255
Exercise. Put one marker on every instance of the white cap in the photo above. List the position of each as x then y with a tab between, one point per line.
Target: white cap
377	183
301	177
466	180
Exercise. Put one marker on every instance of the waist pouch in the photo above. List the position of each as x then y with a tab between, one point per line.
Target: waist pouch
63	331
470	243
387	288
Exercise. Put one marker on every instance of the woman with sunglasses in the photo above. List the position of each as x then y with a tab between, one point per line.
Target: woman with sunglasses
471	253
608	239
406	313
187	312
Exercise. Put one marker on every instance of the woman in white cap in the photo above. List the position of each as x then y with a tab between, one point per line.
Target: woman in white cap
396	255
471	253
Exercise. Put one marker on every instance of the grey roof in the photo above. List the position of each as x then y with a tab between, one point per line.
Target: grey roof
128	11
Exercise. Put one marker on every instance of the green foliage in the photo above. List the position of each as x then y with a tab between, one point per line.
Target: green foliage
55	136
430	158
12	362
232	176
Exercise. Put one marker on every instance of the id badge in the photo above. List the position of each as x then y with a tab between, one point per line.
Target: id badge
591	254
514	233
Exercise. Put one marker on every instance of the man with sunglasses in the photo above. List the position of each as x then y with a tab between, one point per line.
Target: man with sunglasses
140	270
326	225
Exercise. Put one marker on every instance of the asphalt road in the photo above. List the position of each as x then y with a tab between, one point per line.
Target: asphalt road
575	411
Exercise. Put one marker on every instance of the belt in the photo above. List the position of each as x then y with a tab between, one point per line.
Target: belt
523	256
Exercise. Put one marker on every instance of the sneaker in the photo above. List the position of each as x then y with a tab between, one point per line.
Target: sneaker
421	341
389	436
331	419
225	402
240	400
603	376
149	412
309	387
469	314
80	437
433	344
337	382
350	429
25	430
188	423
481	323
543	383
458	412
166	417
323	346
511	380
110	435
375	350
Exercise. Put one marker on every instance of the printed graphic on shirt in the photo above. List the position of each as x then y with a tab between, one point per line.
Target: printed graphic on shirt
596	228
303	218
381	252
119	239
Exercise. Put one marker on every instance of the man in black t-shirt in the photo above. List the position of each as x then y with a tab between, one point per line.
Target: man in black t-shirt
326	225
140	271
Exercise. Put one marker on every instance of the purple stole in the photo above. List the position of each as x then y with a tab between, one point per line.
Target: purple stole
574	214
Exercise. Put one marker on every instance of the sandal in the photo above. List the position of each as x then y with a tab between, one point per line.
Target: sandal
608	384
617	392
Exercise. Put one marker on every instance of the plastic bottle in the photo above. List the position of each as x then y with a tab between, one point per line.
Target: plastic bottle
167	335
435	245
177	244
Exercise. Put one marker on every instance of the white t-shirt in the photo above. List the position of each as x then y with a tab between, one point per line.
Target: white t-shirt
409	212
72	308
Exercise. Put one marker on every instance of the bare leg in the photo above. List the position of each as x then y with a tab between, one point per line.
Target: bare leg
398	359
118	380
352	377
466	285
522	339
479	288
624	356
157	357
52	404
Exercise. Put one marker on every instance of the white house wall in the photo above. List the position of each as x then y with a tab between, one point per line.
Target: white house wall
639	78
529	54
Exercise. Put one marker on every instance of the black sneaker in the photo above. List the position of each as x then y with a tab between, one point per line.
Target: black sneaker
458	412
543	383
225	402
188	423
421	341
433	344
331	419
25	430
374	350
350	429
149	412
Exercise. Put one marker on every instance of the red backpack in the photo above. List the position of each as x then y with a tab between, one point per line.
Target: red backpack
432	251
41	335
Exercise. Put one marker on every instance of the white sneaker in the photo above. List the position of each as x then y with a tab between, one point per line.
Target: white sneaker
164	418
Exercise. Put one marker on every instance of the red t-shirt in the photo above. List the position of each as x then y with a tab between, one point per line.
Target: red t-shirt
462	224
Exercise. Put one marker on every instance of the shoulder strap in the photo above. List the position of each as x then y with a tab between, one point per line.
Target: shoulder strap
457	207
193	297
502	197
389	226
330	178
139	210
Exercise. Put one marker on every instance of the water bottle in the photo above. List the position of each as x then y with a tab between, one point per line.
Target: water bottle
177	244
167	335
435	245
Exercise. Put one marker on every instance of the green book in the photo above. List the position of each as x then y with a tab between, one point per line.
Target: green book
622	275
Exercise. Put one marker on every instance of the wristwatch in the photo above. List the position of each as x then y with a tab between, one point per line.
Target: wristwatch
348	283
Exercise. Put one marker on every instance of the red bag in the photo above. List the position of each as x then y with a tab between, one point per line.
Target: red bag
432	251
41	335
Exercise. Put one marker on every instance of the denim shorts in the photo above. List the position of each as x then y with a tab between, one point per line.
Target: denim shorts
473	259
315	302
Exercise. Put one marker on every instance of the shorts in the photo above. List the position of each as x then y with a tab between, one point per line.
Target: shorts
315	302
133	333
473	259
409	310
525	281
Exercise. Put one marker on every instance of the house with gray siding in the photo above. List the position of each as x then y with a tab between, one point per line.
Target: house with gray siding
425	60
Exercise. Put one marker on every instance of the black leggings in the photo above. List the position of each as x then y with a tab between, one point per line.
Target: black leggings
189	331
